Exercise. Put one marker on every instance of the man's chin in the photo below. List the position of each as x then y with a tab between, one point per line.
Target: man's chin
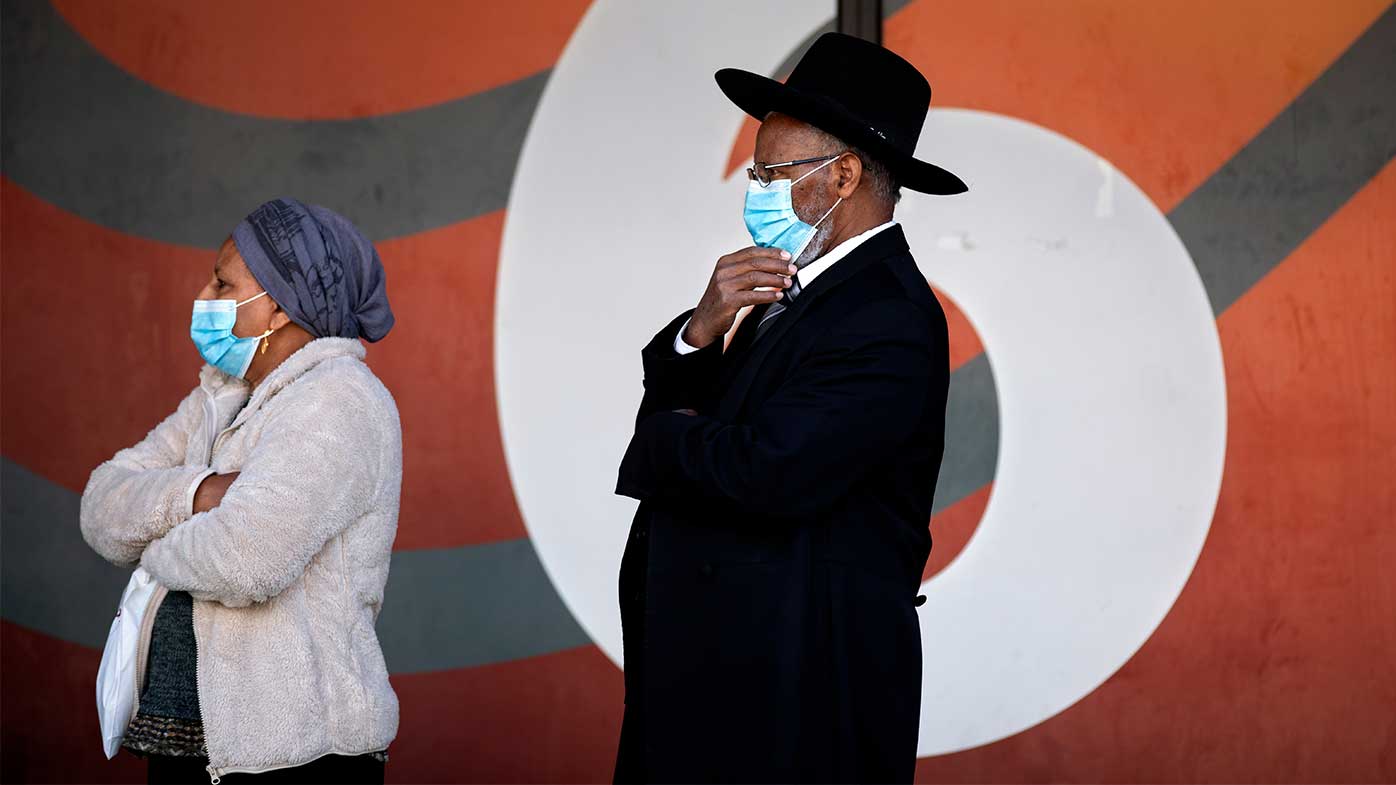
811	253
816	248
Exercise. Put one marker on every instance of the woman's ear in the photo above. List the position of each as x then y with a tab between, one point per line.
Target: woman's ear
279	319
850	169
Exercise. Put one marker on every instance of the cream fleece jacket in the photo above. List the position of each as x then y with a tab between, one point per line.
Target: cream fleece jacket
287	573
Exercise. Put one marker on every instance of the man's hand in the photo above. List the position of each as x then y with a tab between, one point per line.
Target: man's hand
733	287
211	490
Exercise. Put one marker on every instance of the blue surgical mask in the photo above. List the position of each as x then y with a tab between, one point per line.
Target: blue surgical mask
771	219
212	330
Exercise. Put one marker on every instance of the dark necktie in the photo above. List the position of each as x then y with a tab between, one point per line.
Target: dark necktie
777	308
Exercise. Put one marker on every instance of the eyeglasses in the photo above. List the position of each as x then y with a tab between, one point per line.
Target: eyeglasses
762	174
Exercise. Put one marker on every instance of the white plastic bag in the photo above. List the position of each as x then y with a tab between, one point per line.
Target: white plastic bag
116	676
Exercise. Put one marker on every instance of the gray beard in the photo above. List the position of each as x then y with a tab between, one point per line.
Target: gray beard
816	248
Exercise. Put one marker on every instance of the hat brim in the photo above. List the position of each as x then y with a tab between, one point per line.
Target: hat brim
759	95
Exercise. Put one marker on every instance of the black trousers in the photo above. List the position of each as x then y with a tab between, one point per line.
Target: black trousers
350	770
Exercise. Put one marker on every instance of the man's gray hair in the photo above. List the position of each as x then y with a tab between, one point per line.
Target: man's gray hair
884	186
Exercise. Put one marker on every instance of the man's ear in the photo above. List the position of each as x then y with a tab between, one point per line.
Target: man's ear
850	174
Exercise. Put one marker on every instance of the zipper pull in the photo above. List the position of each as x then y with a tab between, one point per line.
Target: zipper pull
213	777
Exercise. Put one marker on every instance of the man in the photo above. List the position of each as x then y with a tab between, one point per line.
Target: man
768	589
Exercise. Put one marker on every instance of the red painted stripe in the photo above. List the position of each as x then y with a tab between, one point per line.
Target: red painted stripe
326	59
554	718
952	528
964	340
96	345
1275	664
48	713
95	337
439	363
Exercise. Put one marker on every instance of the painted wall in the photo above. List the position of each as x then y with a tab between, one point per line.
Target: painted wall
1257	139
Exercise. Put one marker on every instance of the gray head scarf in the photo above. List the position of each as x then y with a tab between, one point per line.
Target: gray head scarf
318	267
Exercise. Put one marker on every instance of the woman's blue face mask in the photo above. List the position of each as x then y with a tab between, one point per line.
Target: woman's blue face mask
212	330
771	219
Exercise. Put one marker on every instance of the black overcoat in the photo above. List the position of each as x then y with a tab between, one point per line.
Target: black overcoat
768	588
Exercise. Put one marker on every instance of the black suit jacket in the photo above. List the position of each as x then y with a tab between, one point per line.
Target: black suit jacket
768	589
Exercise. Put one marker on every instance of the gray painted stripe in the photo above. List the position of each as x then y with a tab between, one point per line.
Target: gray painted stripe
461	607
1335	137
449	608
92	139
971	433
49	579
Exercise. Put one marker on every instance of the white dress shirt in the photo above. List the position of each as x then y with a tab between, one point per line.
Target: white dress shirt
805	276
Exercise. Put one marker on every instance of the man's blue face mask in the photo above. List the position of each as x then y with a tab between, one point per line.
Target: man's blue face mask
211	327
771	219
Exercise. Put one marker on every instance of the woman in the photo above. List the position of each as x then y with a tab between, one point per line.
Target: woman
266	507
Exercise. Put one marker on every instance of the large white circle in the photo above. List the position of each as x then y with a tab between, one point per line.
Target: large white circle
1105	352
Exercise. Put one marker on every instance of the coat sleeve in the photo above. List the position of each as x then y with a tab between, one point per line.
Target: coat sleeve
144	490
678	381
843	409
312	473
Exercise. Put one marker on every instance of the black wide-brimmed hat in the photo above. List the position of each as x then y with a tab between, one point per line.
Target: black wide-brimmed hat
858	91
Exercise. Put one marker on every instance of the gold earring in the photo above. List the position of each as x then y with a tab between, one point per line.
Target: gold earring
266	342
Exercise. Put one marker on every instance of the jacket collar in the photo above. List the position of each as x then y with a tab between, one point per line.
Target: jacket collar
879	246
888	242
226	394
290	369
221	384
814	269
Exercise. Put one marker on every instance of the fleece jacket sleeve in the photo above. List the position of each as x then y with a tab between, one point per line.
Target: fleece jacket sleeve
311	474
143	491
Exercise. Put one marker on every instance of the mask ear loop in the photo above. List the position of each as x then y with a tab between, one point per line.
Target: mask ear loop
816	224
797	180
810	172
250	299
826	213
810	239
265	337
